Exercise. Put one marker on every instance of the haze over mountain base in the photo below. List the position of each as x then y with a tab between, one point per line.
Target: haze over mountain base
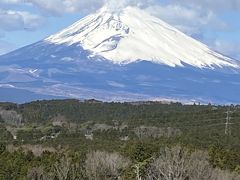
86	79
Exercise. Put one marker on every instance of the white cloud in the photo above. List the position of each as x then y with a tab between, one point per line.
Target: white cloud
10	20
60	7
31	21
11	1
57	7
229	48
189	20
115	5
19	20
214	5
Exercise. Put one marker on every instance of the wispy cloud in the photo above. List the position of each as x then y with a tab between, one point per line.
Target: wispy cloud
60	7
231	49
190	21
11	1
217	5
11	20
115	5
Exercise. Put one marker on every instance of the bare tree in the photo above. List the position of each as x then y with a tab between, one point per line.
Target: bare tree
178	163
38	173
11	117
171	164
62	168
35	174
137	171
199	167
144	132
104	165
224	175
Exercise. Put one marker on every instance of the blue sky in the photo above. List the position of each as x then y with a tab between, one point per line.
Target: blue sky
216	23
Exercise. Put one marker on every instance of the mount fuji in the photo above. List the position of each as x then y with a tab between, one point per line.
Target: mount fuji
119	55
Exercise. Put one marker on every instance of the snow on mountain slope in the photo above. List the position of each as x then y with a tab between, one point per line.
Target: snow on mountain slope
131	35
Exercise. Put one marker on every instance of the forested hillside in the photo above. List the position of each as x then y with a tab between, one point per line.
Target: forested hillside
72	139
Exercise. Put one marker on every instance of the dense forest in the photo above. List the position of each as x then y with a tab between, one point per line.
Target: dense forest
72	139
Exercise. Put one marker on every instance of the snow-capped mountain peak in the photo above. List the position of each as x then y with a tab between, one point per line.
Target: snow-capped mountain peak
120	54
131	34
